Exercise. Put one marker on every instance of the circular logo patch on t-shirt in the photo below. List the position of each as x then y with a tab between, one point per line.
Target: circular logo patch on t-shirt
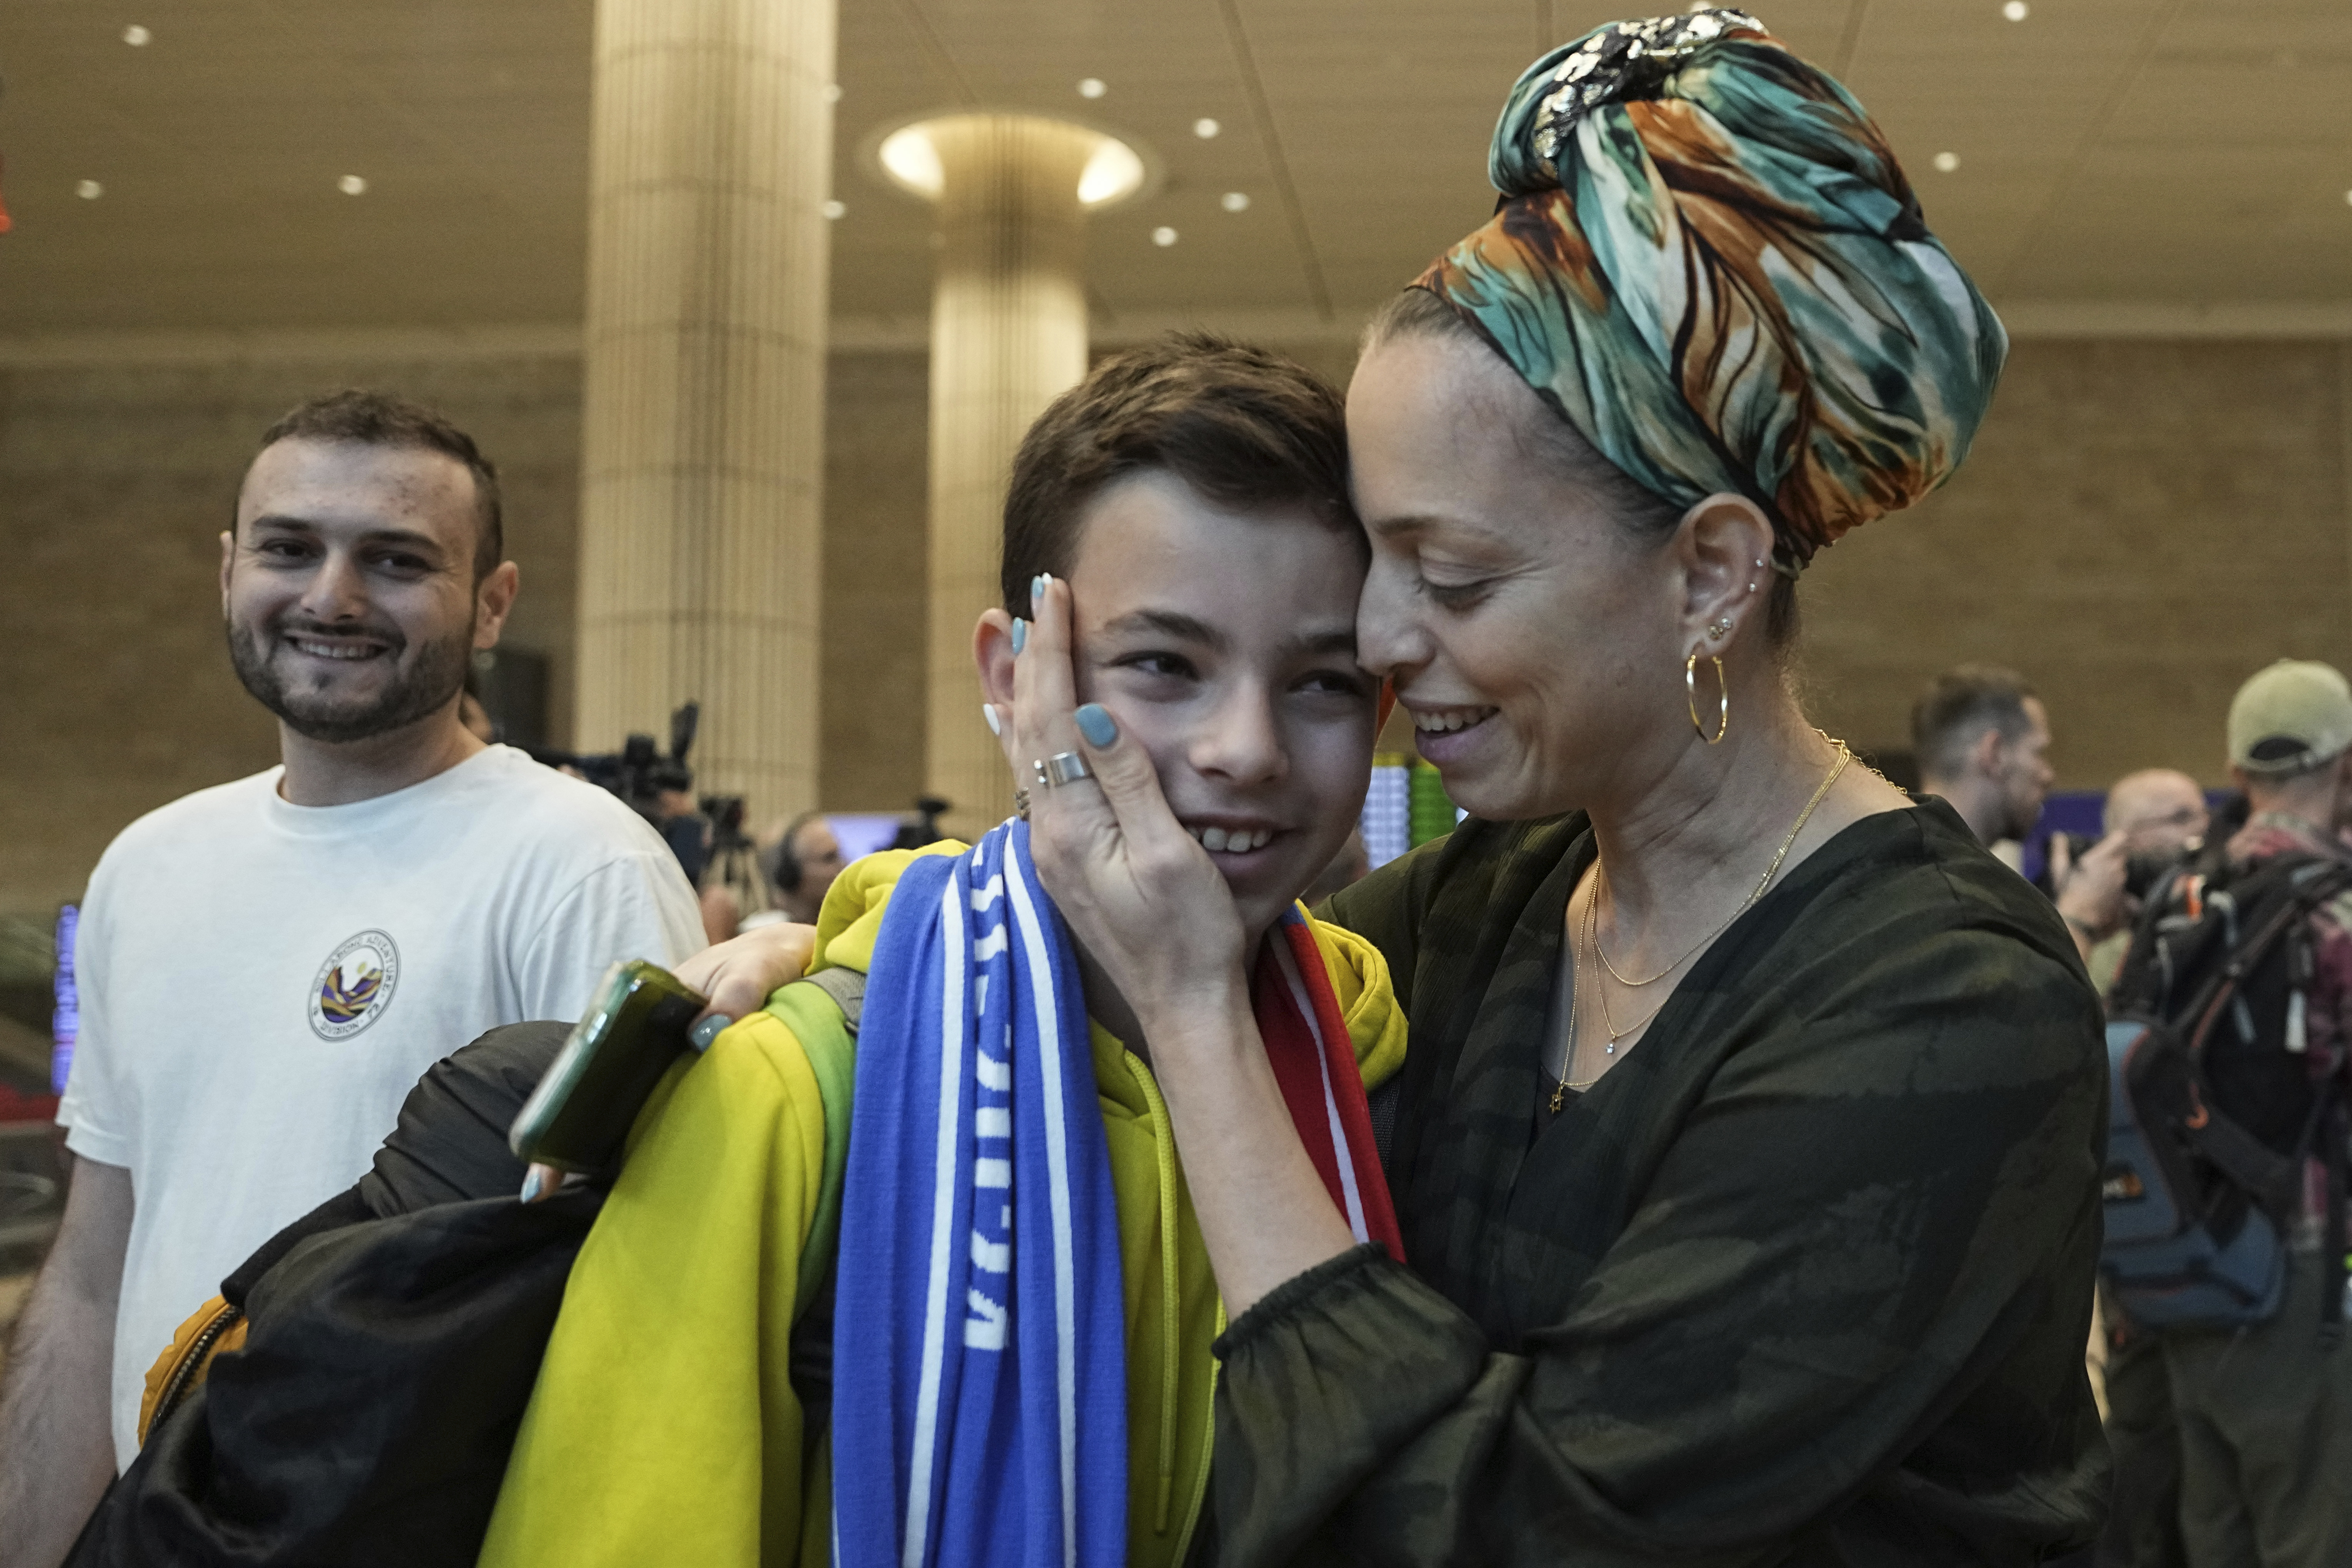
354	985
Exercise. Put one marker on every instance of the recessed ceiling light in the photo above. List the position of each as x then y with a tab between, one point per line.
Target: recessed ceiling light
89	190
1092	86
1205	128
2348	198
1946	162
1163	237
833	93
2016	10
136	35
351	186
833	209
1235	201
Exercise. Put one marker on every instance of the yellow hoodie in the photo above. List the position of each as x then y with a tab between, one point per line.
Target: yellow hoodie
664	1428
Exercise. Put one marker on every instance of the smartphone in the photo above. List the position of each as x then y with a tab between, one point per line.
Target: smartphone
577	1117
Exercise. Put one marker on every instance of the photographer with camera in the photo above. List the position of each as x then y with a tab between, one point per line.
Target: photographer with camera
2151	819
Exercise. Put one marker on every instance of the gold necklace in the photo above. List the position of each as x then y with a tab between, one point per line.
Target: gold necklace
1592	940
1560	1091
1600	878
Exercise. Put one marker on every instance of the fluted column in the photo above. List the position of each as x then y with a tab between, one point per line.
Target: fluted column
703	420
1008	336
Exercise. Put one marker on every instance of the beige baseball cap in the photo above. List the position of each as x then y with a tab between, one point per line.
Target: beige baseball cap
2294	715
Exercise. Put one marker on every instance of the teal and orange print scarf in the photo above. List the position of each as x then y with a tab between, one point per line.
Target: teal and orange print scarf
1707	260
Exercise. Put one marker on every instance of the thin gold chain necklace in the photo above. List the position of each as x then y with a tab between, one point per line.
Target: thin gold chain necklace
1601	881
1592	941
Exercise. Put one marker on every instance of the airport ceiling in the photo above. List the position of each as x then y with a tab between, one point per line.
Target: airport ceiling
180	166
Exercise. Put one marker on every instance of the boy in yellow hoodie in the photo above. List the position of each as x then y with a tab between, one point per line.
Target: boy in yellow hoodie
1193	494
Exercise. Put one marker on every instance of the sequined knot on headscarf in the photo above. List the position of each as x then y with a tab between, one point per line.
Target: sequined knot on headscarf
1707	260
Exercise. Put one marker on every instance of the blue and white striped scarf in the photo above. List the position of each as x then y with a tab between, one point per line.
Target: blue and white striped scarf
980	1382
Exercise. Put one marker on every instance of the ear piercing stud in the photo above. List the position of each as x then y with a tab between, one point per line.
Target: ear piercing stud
1719	628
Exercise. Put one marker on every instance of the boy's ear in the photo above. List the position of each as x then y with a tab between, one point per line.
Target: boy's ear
992	653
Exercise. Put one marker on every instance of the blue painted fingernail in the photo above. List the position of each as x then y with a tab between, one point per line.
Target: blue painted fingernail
1020	634
533	1182
1096	725
1037	591
708	1030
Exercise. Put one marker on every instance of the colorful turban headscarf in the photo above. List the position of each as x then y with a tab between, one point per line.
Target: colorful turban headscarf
1707	261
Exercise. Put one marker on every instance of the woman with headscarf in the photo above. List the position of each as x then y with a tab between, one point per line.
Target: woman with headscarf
1747	1151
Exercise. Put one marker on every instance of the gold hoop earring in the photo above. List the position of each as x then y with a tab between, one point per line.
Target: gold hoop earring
1690	684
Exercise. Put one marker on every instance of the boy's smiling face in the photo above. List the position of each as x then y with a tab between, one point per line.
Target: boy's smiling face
1224	643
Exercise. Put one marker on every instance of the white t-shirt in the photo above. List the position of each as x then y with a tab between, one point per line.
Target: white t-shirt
262	984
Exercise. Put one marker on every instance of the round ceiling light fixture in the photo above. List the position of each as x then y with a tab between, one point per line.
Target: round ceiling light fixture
137	36
1163	237
909	157
1235	201
351	186
1091	86
89	190
833	209
1946	162
2016	10
1205	128
1114	172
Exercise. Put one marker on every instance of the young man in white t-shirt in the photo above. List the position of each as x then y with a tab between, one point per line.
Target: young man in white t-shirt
267	966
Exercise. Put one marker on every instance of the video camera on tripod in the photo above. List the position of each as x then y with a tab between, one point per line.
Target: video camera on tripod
653	783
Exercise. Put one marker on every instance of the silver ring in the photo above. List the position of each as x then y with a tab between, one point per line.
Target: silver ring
1064	767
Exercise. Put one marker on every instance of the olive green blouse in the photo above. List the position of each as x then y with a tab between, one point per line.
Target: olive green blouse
1805	1279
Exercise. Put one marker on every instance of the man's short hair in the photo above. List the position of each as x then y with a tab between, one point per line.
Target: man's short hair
1962	704
1244	427
380	419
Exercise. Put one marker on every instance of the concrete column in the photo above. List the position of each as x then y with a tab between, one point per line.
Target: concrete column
704	439
1008	336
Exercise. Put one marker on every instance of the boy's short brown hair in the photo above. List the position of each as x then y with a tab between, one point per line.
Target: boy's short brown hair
1244	426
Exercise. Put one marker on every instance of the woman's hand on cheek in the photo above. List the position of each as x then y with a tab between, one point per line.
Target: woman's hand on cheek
1139	893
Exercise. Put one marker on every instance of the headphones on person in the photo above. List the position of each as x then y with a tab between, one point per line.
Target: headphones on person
786	871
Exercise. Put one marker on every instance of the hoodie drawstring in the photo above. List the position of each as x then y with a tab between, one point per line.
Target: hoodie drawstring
1163	1145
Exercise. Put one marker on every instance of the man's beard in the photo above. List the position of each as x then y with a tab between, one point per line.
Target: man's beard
2023	818
429	683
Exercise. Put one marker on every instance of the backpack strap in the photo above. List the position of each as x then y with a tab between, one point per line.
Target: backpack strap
846	986
822	1010
2318	883
2275	1181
